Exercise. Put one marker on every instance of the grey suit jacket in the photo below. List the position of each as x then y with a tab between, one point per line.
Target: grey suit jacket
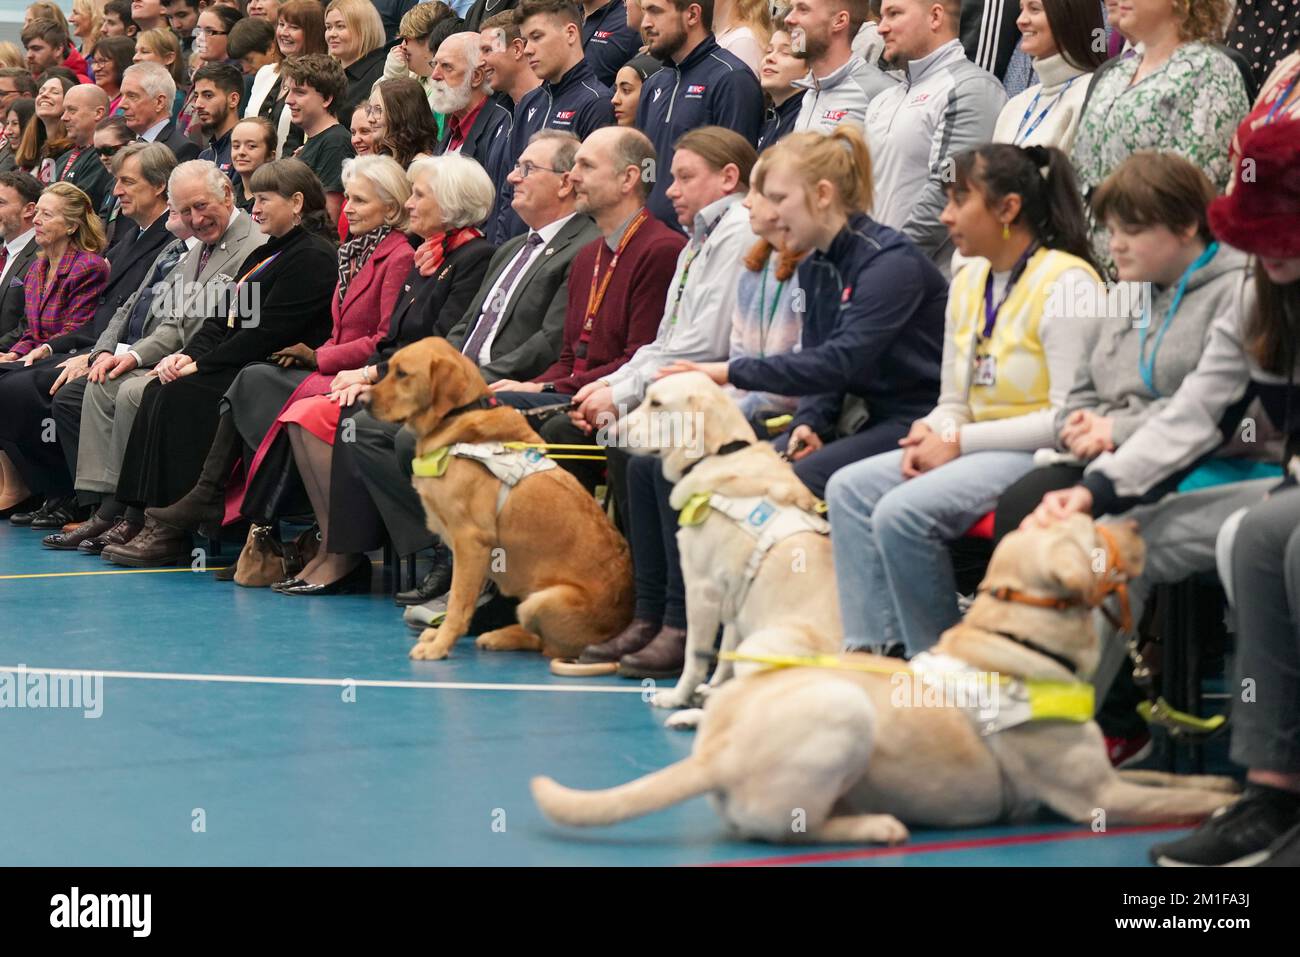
13	303
173	329
529	335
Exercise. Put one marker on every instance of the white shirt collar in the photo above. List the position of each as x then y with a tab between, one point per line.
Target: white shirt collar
151	134
19	242
552	229
712	213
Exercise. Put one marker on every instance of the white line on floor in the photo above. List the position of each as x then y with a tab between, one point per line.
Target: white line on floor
325	682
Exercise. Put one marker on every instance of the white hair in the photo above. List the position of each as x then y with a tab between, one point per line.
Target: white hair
470	43
154	78
461	188
217	182
388	178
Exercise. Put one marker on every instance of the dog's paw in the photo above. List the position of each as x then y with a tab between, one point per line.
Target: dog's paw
888	829
702	692
428	651
686	720
676	698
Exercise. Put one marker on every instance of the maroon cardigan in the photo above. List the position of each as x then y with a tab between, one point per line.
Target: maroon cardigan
631	311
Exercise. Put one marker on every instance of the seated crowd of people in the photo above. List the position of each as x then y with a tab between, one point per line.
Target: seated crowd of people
965	268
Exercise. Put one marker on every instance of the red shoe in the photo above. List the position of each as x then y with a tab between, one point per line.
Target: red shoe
1125	751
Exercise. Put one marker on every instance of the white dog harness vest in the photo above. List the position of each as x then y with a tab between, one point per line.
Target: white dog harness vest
509	464
766	522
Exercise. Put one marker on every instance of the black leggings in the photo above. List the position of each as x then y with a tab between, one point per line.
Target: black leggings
1021	499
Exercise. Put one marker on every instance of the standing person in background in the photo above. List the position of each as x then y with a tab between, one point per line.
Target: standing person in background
117	20
460	92
628	82
183	18
268	10
390	13
149	14
147	95
608	42
1264	31
300	29
1059	35
839	86
742	28
218	90
83	107
701	85
110	58
251	45
47	45
569	98
252	144
945	104
989	34
85	22
71	57
354	35
780	70
1179	93
162	47
504	59
413	56
316	84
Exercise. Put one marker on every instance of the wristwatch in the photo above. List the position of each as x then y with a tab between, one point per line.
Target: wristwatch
548	386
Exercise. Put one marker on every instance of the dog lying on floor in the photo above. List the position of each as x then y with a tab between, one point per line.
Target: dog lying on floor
756	556
509	515
834	754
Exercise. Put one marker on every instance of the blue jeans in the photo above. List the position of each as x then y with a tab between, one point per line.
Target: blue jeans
891	539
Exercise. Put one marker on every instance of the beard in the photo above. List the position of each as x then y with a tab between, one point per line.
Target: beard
814	47
666	46
214	123
448	99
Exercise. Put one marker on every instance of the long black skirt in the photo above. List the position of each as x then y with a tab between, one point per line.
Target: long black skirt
171	438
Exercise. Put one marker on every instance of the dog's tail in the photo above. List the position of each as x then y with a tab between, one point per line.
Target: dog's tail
654	792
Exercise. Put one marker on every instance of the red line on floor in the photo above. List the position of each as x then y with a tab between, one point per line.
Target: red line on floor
1006	840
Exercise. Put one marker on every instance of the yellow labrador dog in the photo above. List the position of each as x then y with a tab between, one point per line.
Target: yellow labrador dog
542	540
835	754
756	556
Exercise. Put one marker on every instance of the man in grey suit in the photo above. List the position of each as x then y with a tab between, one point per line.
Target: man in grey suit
18	194
515	325
150	328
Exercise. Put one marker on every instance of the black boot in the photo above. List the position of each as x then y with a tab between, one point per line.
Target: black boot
204	506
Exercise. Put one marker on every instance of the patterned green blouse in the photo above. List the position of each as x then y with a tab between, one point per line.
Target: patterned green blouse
1190	106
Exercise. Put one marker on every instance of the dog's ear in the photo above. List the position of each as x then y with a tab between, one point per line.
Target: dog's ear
436	401
1069	566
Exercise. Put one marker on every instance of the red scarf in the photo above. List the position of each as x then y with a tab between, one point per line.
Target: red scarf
429	257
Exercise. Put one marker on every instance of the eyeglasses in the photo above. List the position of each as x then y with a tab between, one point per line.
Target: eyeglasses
107	152
209	32
527	169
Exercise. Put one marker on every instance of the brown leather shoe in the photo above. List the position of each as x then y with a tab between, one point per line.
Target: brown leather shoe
155	545
662	658
628	641
122	532
71	540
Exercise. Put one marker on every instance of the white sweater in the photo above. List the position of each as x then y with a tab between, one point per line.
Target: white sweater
1061	93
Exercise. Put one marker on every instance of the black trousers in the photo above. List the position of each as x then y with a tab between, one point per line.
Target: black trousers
29	432
1023	497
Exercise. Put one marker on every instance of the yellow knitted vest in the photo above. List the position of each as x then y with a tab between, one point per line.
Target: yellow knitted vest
1013	356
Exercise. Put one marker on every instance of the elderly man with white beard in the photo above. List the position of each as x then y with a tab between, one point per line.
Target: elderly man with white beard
459	89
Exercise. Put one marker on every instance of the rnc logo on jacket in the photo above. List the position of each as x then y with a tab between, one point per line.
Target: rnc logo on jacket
695	89
565	116
835	115
602	34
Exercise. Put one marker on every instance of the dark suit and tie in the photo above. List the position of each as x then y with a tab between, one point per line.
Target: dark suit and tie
181	145
12	300
524	327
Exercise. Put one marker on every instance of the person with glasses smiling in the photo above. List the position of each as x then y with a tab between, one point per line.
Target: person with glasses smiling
109	59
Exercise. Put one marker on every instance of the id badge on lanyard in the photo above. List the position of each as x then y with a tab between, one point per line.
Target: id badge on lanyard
986	371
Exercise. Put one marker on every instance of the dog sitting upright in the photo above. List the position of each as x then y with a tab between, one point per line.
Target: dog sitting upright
756	557
849	750
509	515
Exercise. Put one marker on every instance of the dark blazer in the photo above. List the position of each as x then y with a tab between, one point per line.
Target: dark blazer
129	260
12	299
487	126
529	335
298	276
87	174
178	143
430	305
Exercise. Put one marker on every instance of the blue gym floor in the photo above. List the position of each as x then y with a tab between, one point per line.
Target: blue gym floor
288	772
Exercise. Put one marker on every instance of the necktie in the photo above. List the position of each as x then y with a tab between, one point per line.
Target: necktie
496	301
4	259
144	302
203	259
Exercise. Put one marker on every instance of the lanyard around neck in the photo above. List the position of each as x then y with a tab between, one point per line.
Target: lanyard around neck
766	317
991	311
1281	100
1022	137
1147	367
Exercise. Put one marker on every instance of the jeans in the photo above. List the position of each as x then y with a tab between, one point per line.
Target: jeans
890	537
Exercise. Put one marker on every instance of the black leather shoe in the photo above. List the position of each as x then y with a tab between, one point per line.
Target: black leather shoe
28	506
287	583
357	580
120	534
58	512
25	518
435	584
93	527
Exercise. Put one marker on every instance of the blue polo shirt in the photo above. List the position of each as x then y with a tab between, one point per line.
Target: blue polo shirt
711	87
779	121
608	42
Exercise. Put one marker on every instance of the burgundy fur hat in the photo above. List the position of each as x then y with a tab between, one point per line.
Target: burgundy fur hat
1262	213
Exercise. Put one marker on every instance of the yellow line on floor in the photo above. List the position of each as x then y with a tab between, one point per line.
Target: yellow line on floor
122	571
